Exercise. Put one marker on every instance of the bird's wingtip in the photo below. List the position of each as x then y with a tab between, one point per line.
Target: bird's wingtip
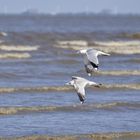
103	53
74	77
98	85
107	54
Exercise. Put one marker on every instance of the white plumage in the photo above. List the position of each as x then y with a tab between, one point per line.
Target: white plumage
79	84
91	61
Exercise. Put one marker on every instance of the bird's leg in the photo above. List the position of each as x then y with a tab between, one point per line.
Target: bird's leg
82	102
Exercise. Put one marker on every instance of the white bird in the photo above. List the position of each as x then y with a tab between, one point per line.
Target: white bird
91	59
79	84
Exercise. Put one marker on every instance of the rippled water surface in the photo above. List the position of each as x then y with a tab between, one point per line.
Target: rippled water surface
38	56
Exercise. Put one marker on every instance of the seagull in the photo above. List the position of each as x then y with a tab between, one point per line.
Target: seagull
91	59
79	84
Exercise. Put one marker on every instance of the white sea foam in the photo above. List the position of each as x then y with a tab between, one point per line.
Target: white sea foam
73	42
111	105
18	48
118	43
118	47
119	72
3	34
48	89
14	55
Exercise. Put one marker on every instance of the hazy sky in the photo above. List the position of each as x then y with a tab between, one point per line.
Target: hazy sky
66	6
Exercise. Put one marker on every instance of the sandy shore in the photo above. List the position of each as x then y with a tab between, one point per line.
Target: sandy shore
96	136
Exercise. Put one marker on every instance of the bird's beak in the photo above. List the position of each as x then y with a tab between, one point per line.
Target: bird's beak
67	83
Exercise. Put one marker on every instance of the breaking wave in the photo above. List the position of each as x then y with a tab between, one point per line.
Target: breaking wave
3	34
18	48
105	106
37	89
118	47
14	55
73	42
66	88
118	43
119	73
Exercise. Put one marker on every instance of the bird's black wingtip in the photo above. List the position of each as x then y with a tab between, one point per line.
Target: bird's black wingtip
99	85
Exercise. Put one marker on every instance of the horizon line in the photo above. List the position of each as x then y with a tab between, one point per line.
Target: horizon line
71	13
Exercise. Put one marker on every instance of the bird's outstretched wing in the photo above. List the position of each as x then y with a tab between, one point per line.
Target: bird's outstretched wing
79	84
81	93
74	77
78	79
92	57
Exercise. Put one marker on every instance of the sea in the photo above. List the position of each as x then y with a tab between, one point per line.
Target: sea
38	55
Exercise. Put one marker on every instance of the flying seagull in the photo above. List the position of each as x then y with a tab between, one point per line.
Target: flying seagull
91	59
79	84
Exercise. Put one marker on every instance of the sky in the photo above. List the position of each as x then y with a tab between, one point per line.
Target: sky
70	6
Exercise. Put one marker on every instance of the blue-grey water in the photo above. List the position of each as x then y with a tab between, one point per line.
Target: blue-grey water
40	51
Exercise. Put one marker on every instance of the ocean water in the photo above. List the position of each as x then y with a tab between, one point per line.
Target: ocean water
38	56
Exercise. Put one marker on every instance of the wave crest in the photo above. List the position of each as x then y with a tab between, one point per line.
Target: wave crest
65	88
73	42
15	55
18	48
105	106
117	47
118	73
3	34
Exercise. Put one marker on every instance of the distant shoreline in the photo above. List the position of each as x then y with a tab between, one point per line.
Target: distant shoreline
71	14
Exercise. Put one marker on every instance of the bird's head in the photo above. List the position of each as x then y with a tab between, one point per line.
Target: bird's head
71	83
83	51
